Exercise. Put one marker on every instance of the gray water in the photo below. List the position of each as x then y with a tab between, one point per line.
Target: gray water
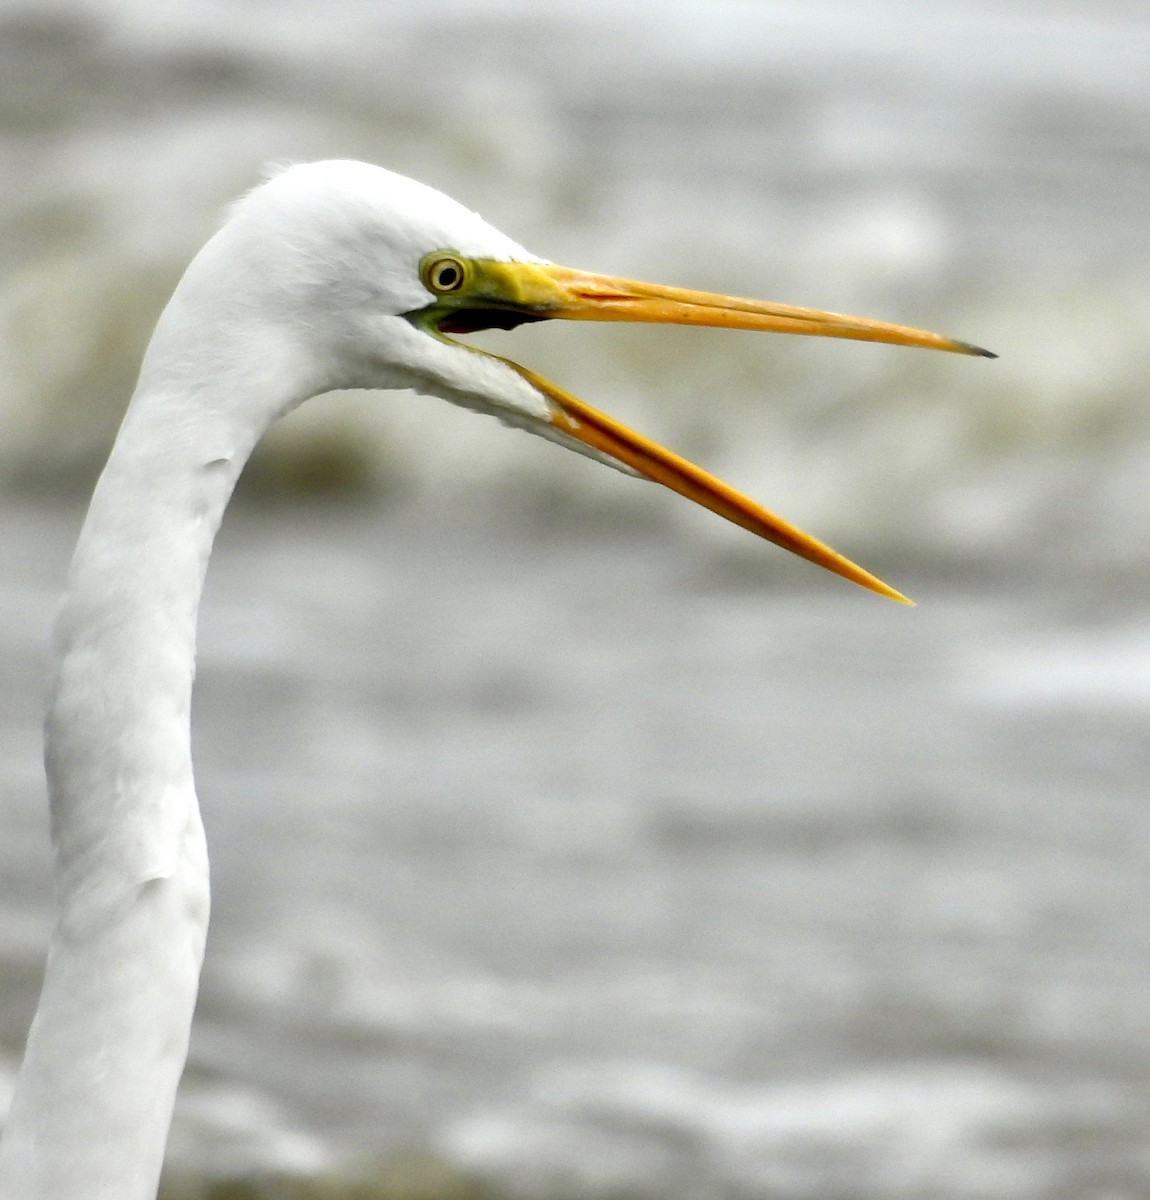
559	832
592	860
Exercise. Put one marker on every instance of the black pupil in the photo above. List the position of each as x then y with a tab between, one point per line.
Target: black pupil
447	276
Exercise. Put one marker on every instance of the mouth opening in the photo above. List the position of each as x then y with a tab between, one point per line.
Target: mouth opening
472	320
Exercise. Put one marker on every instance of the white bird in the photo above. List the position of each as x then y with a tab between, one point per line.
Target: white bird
330	275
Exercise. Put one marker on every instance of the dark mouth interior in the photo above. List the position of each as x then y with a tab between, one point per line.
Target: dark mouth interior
471	320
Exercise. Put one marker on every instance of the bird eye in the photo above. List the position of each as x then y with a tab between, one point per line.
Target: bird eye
444	275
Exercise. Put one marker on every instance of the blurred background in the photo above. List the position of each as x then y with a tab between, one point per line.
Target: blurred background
568	842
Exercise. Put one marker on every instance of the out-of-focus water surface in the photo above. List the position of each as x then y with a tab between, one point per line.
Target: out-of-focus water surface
562	833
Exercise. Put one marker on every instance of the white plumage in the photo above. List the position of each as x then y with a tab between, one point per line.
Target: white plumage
331	275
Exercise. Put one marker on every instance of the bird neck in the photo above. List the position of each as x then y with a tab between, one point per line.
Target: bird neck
117	747
107	1047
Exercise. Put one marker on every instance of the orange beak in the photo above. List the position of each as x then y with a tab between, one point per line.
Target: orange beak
485	292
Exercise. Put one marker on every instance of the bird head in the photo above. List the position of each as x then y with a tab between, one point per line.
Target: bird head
383	273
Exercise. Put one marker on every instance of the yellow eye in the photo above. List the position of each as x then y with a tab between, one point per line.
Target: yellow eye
444	274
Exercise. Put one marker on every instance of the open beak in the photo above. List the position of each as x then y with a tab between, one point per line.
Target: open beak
484	294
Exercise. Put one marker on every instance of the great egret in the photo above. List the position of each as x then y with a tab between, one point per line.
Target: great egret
330	275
